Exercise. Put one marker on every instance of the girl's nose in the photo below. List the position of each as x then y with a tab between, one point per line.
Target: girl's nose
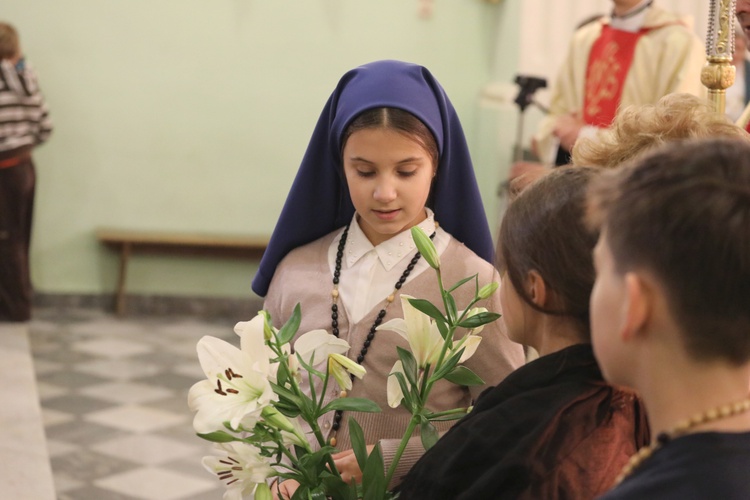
385	191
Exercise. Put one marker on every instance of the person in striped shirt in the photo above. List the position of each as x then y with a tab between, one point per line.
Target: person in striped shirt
24	124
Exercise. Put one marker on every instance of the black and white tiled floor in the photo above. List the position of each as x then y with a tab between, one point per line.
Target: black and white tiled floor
114	404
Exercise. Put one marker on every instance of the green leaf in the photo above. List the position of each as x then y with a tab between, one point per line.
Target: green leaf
463	376
352	404
282	374
450	304
458	284
409	364
335	488
309	368
479	319
359	447
428	433
287	397
218	437
373	477
288	410
428	308
408	397
291	326
447	366
443	329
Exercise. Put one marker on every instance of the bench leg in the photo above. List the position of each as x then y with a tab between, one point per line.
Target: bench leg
120	294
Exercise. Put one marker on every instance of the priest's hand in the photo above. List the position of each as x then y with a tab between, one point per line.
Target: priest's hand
567	129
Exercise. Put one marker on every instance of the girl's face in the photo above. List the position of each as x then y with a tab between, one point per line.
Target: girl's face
608	299
389	177
514	311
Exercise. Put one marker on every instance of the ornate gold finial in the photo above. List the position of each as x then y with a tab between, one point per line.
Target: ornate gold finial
718	73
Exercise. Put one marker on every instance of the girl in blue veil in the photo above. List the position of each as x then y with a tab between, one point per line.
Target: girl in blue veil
388	153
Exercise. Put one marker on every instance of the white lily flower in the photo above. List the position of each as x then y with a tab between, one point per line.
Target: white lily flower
241	468
419	330
237	388
253	341
469	343
393	388
317	345
339	366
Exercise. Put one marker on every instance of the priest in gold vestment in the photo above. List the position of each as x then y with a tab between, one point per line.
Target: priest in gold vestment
635	55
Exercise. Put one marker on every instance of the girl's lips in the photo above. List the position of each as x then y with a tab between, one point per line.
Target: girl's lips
386	214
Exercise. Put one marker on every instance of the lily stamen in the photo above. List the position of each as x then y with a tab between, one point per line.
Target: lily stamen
219	391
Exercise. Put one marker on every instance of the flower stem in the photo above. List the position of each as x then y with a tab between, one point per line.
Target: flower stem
401	447
455	411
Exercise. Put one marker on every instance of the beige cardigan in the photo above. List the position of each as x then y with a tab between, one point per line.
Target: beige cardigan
304	277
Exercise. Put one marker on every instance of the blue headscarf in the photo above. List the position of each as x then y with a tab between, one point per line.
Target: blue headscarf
319	201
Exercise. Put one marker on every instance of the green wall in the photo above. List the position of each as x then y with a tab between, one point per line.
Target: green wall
193	115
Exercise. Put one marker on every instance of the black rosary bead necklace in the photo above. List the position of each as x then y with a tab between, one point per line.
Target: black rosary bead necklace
378	319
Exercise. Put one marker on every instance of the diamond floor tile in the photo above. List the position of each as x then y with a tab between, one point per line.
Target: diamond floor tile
114	401
126	392
155	484
146	449
118	369
111	348
135	418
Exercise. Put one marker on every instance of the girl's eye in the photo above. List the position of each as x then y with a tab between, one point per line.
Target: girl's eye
363	173
407	173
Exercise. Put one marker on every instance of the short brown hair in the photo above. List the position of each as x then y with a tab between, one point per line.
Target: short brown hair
544	230
682	213
9	45
639	129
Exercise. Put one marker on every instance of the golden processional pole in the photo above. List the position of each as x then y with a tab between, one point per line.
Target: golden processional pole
718	73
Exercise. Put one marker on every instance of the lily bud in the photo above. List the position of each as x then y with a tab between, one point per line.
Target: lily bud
339	366
426	247
263	492
273	417
268	330
488	290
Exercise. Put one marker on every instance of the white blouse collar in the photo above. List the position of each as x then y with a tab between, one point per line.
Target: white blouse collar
391	251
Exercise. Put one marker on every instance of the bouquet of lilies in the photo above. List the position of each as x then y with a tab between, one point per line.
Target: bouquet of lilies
253	407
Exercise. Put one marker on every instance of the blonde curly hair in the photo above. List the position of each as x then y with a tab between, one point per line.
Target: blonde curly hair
639	129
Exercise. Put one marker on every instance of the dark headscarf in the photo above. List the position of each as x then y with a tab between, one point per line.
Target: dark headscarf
319	201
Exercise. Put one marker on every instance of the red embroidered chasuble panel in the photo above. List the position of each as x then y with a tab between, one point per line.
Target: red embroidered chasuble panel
608	65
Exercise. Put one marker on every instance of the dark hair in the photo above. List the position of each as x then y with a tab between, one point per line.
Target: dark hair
683	214
398	120
544	230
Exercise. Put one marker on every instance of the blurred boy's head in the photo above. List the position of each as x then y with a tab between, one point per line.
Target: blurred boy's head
675	238
9	45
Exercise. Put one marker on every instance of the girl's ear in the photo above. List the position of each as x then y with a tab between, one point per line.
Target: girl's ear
637	306
536	288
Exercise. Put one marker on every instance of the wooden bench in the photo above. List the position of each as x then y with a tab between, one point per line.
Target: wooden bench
128	242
